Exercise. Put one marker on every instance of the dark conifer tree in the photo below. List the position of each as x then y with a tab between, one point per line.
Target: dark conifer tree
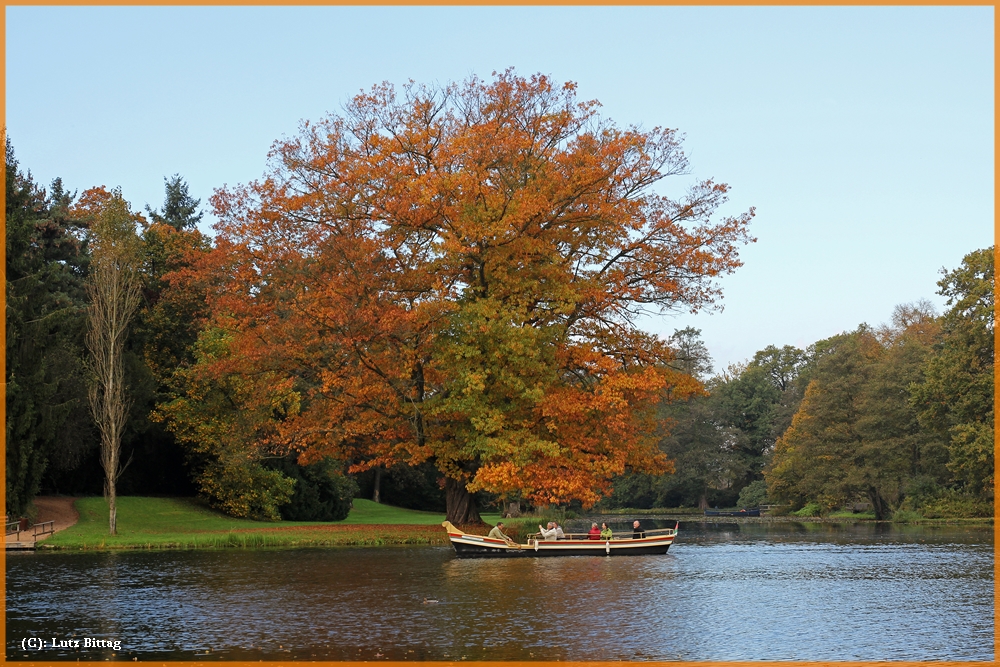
48	426
180	210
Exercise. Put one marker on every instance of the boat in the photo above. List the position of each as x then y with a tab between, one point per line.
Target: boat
656	541
753	512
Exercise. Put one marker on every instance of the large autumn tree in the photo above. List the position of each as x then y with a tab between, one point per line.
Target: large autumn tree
455	275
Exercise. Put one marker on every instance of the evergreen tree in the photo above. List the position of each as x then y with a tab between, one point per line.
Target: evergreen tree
48	426
180	210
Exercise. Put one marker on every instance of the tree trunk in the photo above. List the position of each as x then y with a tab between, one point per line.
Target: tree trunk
703	501
461	506
881	507
113	511
378	483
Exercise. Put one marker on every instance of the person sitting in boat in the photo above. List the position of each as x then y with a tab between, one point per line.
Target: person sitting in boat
497	533
595	532
637	531
549	532
553	532
606	533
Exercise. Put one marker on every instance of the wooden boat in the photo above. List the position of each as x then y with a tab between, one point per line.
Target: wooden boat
753	512
575	544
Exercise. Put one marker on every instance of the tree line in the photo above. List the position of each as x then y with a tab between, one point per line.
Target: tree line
431	299
896	418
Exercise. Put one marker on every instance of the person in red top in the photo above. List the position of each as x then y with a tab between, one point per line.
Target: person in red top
595	532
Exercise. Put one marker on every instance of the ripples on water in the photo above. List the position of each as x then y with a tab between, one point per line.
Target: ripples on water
724	592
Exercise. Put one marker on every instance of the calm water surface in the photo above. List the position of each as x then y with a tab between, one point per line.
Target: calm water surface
724	592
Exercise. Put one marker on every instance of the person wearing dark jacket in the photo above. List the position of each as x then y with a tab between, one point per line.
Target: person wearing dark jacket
637	531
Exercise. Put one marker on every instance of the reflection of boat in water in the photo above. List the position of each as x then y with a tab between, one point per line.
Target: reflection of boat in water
574	544
754	512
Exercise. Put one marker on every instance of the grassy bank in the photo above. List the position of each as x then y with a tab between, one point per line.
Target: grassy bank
184	523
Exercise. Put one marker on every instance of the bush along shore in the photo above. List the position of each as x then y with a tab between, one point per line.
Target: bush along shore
186	523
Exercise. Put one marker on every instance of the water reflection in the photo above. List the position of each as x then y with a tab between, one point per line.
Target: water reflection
723	592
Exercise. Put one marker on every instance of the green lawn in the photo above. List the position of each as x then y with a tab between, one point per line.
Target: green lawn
186	523
368	512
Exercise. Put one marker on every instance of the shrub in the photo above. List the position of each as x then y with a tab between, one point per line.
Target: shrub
753	495
906	516
810	509
954	505
322	491
921	488
245	489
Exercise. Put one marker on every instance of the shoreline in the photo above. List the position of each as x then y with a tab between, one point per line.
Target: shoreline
187	524
697	518
283	538
375	535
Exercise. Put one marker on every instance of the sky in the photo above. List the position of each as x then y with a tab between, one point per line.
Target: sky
862	136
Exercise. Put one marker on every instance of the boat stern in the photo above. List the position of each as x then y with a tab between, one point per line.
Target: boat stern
467	545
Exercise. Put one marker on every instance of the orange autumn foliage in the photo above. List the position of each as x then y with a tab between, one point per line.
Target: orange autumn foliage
455	275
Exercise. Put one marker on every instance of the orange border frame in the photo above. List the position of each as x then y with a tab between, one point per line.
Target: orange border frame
398	3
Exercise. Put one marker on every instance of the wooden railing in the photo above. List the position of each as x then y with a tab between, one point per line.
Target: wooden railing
44	528
620	535
37	529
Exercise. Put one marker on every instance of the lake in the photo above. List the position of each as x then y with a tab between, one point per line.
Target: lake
736	591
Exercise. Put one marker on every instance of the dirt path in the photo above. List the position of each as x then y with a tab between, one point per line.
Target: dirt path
53	508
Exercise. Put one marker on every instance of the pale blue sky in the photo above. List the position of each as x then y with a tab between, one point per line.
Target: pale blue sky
863	136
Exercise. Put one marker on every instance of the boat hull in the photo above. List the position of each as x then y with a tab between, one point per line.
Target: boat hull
476	546
467	548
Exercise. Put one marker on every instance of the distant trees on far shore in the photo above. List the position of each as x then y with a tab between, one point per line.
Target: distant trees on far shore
898	418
